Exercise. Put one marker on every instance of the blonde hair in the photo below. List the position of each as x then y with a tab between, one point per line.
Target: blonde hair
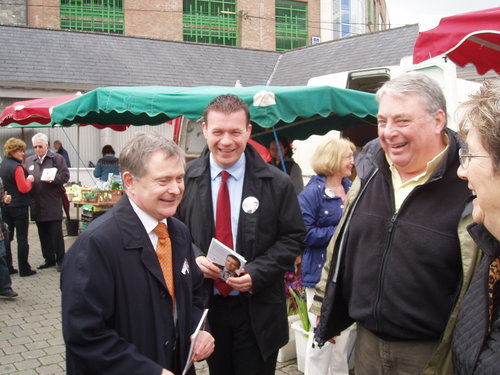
327	158
12	145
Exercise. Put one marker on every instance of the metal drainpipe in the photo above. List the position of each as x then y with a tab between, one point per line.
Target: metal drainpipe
26	13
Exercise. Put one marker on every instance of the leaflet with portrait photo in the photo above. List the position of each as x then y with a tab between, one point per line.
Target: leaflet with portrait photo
218	254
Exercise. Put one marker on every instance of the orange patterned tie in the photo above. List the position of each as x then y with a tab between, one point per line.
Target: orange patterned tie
164	254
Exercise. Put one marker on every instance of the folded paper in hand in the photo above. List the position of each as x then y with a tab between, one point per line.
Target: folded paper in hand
48	174
218	253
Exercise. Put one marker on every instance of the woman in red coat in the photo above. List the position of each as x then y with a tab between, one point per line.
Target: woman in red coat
18	184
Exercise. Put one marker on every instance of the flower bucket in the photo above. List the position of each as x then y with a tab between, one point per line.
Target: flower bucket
289	351
301	337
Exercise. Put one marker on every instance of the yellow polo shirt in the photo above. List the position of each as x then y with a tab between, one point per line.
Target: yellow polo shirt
402	190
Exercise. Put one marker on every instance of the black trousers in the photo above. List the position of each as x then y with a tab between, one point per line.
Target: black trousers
236	350
52	240
17	220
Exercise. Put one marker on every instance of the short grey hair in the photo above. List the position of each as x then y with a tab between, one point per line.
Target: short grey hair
419	83
40	137
135	154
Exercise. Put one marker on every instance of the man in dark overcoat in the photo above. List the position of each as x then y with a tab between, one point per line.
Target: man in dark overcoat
119	316
47	200
250	324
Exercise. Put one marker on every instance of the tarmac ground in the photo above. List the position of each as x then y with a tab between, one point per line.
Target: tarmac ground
31	340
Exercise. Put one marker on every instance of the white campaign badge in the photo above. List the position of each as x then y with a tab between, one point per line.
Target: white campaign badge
185	267
31	167
250	205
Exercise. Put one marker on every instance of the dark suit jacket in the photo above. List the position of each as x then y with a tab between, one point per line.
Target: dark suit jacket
116	309
270	239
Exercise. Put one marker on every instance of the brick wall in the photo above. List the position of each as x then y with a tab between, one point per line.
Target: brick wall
163	19
257	25
154	19
44	13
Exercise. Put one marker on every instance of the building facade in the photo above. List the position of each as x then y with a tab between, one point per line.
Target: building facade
256	24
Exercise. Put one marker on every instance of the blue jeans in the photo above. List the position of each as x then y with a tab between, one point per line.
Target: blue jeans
5	283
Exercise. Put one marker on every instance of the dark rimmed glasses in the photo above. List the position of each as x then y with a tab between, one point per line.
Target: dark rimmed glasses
465	157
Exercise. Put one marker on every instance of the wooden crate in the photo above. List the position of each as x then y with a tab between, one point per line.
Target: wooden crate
109	196
94	200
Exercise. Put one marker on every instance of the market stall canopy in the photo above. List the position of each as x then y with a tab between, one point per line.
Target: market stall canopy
296	111
36	113
472	37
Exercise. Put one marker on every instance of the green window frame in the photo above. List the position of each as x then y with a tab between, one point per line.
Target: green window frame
104	16
291	24
210	21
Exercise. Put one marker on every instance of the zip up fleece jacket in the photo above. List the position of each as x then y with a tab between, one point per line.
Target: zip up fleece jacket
401	275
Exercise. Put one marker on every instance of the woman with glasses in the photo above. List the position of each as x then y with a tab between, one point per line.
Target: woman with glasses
322	202
18	184
476	341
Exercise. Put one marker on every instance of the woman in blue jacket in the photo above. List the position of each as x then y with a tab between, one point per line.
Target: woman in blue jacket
109	163
321	203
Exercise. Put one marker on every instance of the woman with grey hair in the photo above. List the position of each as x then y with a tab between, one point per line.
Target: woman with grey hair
476	341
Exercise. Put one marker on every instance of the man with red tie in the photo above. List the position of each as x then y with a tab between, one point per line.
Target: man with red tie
130	284
250	206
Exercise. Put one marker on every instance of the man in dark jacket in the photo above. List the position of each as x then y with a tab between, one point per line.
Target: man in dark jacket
400	260
266	227
46	199
62	151
121	311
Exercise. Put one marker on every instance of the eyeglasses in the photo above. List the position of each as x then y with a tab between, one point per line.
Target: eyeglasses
465	157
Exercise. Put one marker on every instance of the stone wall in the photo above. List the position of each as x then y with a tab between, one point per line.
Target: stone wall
13	12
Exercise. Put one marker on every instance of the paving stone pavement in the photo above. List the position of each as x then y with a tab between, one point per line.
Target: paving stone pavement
31	341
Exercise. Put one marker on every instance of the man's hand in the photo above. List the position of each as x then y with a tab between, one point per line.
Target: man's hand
204	345
332	340
210	270
242	283
166	372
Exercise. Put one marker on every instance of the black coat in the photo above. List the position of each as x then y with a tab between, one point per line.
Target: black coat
46	198
116	309
270	239
476	349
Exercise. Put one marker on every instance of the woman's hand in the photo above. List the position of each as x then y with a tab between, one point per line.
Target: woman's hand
7	198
